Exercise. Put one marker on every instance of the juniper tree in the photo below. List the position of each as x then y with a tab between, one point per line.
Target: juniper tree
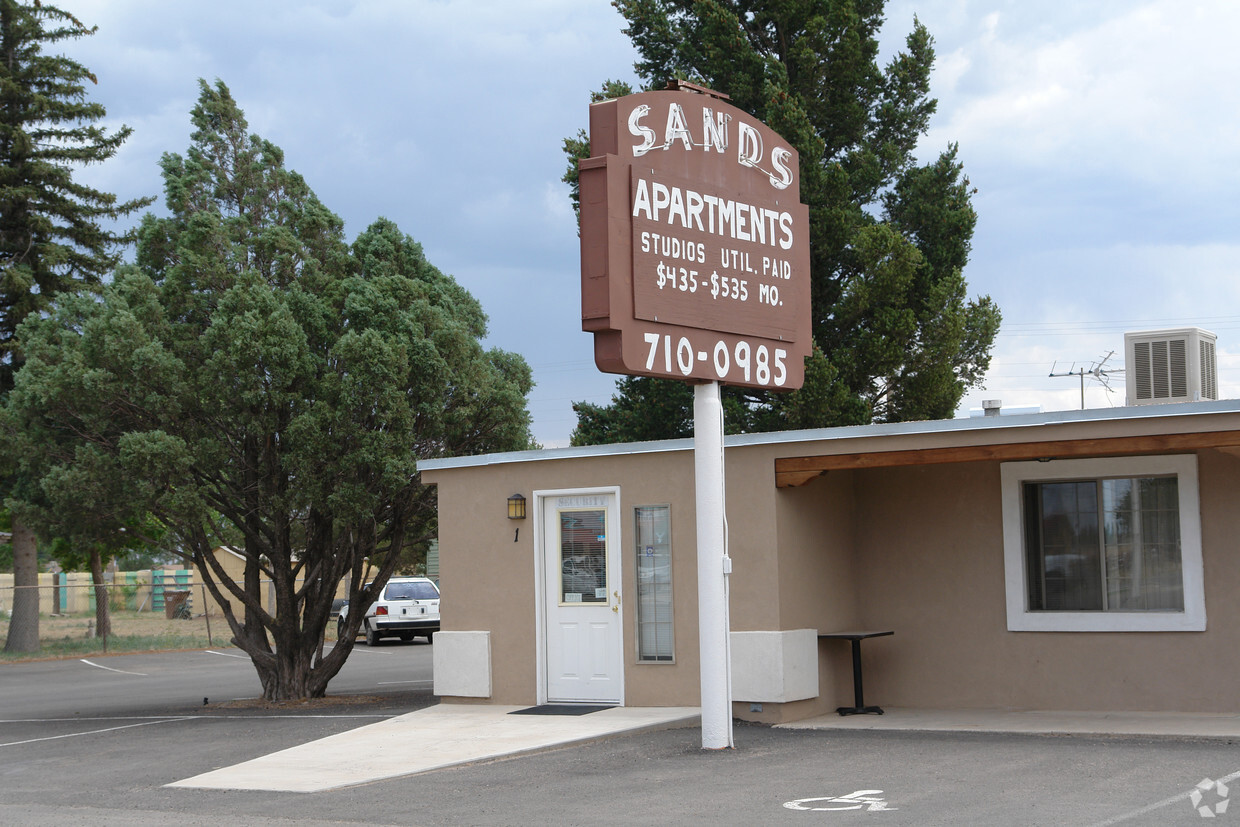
253	375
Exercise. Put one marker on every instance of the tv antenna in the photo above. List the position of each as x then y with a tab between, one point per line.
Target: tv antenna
1097	370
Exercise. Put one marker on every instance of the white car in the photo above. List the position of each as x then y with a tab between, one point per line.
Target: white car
407	606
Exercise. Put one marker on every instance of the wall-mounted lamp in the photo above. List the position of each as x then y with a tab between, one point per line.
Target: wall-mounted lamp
516	511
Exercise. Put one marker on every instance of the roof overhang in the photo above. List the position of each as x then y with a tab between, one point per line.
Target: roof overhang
794	471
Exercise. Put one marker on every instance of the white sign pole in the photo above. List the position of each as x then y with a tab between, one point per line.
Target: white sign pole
713	568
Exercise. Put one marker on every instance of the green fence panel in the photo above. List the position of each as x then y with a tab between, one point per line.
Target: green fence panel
170	580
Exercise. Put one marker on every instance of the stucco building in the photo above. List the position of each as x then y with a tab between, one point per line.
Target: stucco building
1082	560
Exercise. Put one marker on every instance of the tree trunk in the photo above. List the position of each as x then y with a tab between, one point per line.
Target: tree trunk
296	667
293	672
103	622
252	626
24	622
289	680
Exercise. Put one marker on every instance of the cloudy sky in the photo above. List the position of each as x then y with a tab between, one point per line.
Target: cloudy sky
1103	138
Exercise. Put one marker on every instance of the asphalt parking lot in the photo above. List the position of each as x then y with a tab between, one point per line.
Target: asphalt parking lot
143	684
84	744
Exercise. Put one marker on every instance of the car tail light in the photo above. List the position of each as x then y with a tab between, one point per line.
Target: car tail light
381	610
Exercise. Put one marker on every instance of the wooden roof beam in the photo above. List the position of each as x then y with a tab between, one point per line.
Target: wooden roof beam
794	471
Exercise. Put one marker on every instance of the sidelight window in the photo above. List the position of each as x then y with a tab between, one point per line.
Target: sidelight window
653	546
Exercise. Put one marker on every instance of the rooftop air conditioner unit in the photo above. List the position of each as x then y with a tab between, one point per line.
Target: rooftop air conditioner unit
1170	366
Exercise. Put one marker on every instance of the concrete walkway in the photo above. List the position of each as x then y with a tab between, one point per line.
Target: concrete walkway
451	734
428	739
1151	724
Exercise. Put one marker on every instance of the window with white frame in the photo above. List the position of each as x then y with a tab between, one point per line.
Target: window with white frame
1103	545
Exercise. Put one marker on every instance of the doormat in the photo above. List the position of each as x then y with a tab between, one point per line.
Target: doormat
559	709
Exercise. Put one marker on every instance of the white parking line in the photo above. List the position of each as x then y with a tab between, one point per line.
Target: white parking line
390	683
225	654
92	718
304	715
1158	805
110	669
93	732
369	651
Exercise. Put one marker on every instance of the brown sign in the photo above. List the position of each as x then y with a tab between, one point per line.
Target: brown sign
694	243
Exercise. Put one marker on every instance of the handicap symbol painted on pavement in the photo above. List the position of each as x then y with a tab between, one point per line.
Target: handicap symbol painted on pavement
853	801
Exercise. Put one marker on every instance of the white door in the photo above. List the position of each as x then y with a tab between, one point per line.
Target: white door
581	589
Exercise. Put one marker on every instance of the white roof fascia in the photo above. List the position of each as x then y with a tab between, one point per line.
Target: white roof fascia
982	423
932	426
610	449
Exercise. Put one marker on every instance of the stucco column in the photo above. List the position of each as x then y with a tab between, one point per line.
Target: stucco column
713	566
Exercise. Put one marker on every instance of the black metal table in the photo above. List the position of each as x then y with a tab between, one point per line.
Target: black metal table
858	707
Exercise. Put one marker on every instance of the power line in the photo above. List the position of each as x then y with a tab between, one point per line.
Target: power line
1184	321
1096	328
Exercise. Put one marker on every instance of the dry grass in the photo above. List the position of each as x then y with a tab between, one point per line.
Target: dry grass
74	635
141	624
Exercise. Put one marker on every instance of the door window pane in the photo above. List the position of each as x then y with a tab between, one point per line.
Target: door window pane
583	556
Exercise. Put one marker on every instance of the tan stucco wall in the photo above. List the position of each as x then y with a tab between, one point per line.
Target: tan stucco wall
916	549
932	543
753	536
809	586
817	578
931	539
488	580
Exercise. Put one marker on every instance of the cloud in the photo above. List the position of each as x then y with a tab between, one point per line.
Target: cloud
446	117
1121	288
1103	137
1135	95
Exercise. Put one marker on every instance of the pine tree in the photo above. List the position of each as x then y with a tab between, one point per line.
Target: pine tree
54	237
896	337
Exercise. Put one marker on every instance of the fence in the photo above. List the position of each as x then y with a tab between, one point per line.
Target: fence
147	611
72	592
